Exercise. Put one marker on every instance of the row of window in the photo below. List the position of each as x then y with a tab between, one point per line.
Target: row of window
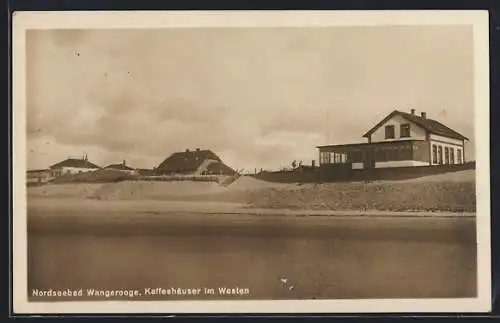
329	158
383	153
449	155
440	155
404	131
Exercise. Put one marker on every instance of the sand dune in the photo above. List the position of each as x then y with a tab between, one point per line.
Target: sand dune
155	190
453	192
74	190
251	183
461	176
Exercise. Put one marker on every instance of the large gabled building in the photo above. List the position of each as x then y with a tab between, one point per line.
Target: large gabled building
194	162
400	139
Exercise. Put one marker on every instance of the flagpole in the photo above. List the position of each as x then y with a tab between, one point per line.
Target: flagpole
327	126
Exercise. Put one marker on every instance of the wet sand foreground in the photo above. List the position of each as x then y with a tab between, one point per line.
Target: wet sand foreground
129	254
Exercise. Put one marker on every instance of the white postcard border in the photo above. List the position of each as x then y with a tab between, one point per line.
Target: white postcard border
23	21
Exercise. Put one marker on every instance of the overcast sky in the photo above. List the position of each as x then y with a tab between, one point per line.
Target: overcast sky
256	97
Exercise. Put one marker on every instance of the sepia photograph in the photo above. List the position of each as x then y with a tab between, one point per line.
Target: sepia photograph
251	162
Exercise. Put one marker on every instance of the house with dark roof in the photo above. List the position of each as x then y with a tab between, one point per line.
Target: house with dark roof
400	139
194	162
122	167
72	166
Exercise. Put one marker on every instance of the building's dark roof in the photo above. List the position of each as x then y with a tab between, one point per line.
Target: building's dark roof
430	125
186	161
220	168
74	162
118	167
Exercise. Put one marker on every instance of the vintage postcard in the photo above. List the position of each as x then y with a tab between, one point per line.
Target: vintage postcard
251	162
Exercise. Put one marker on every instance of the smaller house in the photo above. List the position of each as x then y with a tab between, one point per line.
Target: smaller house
121	167
194	162
72	166
38	176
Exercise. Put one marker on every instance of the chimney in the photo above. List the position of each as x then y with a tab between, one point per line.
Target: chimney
187	150
412	111
424	115
123	162
197	149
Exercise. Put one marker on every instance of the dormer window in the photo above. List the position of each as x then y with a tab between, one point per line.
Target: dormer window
389	132
404	130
